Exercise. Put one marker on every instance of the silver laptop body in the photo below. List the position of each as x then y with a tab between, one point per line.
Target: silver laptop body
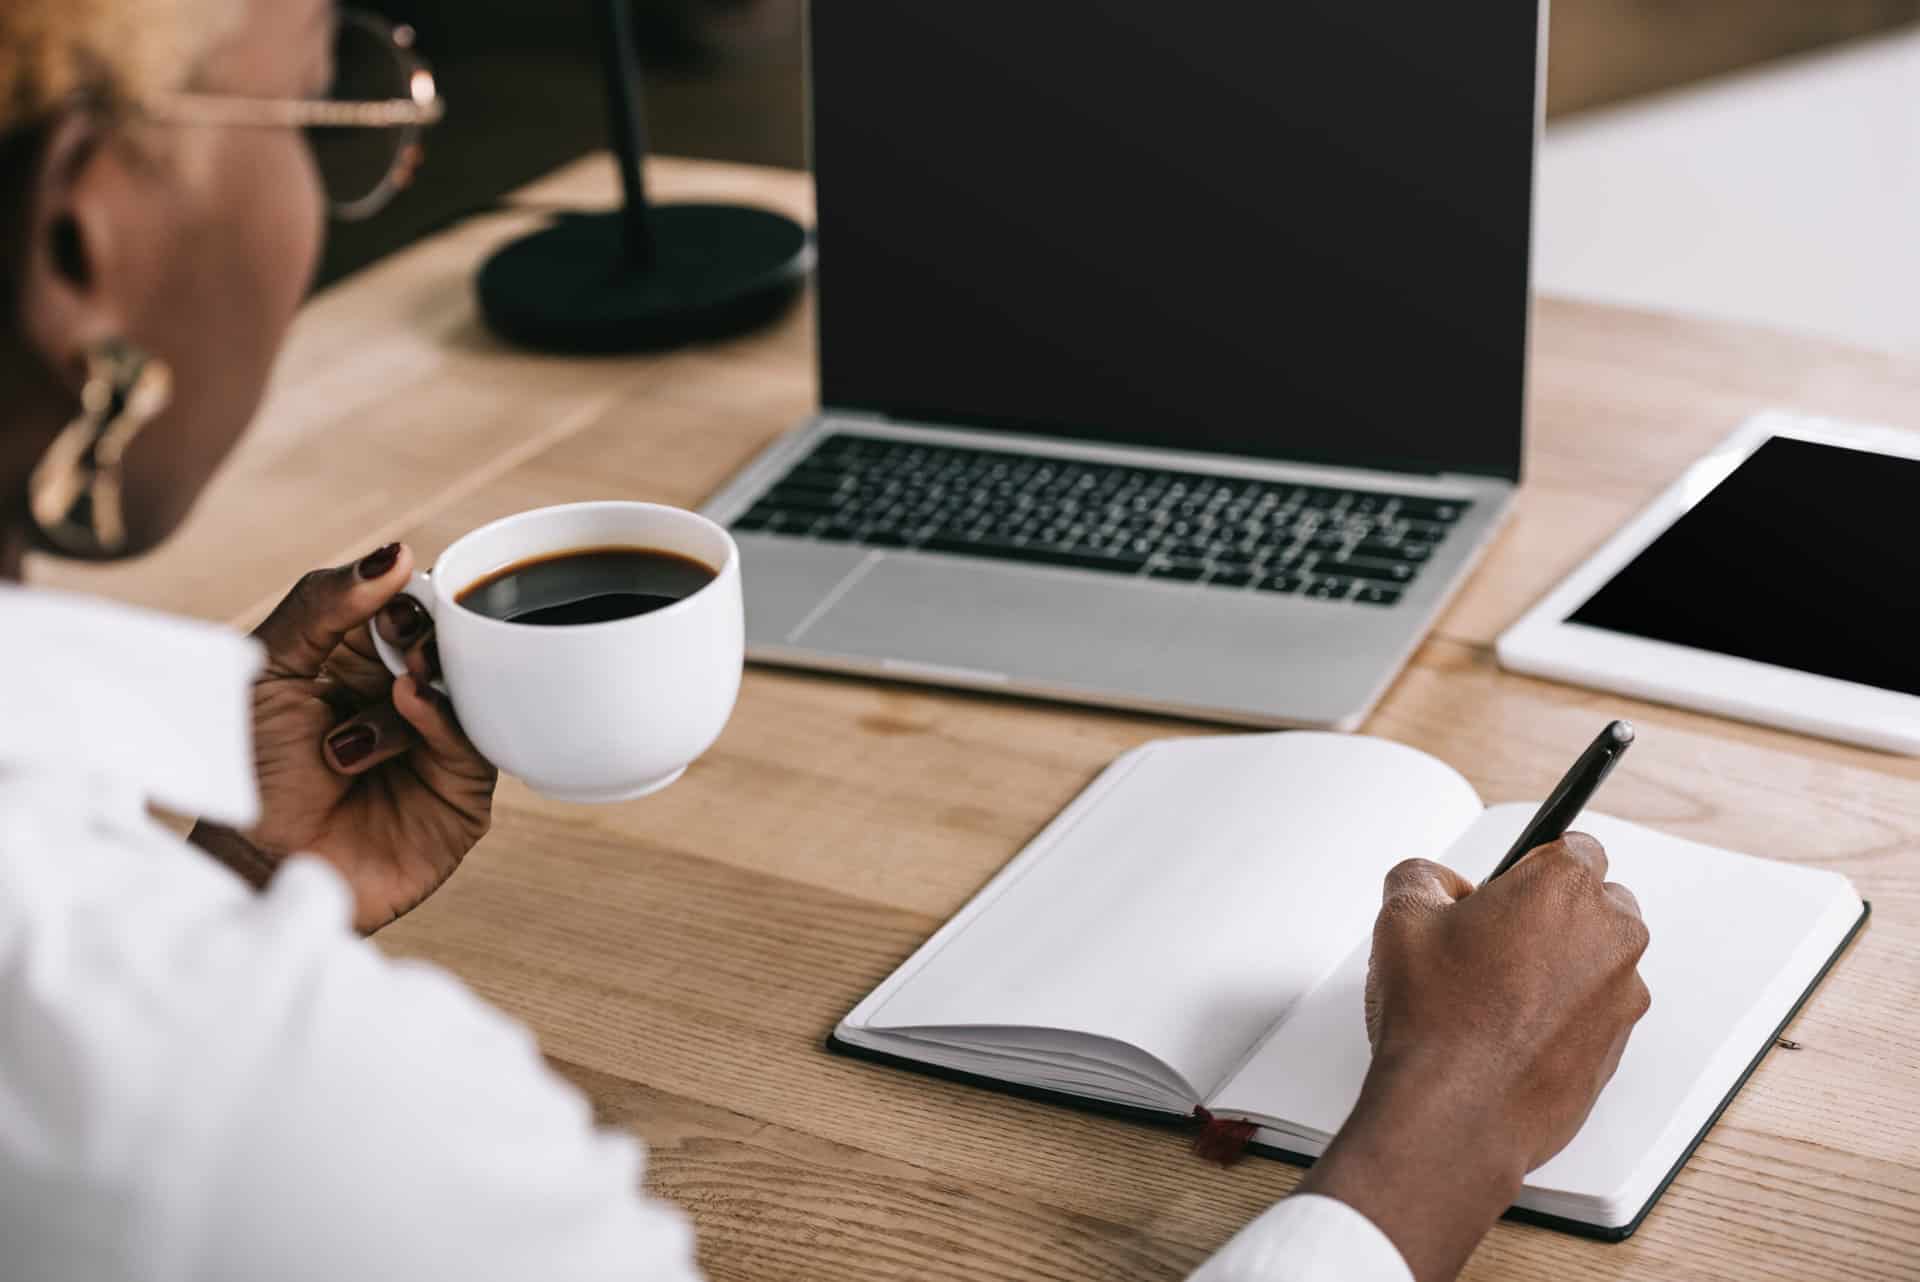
1245	653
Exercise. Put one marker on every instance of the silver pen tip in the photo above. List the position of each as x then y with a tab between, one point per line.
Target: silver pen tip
1622	732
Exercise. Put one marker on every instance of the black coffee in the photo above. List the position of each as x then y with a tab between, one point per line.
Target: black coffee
588	585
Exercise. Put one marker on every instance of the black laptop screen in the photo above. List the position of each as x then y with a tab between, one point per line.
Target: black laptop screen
1291	230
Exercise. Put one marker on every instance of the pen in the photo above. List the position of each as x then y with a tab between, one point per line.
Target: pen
1571	795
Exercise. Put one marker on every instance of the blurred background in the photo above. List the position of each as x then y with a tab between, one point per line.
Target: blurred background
1757	160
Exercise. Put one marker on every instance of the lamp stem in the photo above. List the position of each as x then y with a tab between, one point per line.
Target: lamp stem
626	127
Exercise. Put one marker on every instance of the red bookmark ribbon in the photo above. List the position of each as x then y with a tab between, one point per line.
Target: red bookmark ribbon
1220	1140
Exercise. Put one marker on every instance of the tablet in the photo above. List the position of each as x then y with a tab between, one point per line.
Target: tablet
1777	581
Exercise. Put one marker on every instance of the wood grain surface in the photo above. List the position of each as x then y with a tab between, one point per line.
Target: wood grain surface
682	957
1604	51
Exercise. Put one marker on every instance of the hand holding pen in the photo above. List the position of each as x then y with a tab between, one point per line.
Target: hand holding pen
1498	1012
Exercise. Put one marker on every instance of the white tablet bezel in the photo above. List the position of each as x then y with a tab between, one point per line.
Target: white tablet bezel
1544	644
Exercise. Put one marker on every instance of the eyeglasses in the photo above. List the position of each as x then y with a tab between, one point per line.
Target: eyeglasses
366	134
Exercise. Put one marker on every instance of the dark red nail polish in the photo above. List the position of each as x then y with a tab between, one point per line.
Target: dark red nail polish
378	563
404	620
353	745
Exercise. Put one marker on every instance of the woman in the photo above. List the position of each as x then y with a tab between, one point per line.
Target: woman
208	1075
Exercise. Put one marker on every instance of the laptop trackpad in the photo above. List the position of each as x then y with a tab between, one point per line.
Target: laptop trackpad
1035	625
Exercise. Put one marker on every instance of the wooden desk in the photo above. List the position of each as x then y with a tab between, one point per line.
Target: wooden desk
682	957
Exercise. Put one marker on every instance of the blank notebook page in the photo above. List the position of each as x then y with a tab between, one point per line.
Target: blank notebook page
1724	928
1196	891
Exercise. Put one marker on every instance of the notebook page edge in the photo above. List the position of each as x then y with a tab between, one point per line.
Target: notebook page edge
987	1063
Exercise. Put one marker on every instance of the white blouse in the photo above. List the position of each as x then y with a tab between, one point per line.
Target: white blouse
202	1084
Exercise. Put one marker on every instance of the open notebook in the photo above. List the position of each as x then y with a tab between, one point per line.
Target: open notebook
1192	933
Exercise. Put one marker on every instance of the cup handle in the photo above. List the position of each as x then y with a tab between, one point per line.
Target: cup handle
420	588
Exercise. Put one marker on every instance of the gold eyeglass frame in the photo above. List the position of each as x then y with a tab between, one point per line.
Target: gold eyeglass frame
423	108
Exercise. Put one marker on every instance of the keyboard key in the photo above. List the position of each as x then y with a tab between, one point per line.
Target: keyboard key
1379	571
1285	559
1330	588
1371	594
1284	582
1444	511
1185	573
1375	550
753	521
1422	532
1230	578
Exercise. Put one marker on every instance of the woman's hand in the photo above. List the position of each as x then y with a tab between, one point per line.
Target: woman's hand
365	770
1496	1015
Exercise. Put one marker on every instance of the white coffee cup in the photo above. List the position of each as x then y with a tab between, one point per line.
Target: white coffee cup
590	712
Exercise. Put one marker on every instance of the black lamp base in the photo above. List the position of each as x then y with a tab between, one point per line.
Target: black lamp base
715	271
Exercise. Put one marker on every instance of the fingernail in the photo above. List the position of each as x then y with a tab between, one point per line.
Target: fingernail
404	620
378	563
353	745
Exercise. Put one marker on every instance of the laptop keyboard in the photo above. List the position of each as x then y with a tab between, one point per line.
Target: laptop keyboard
1364	546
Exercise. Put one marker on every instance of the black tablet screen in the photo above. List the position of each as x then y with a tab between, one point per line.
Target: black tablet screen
1807	557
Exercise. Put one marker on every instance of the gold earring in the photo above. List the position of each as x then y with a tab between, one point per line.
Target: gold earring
75	493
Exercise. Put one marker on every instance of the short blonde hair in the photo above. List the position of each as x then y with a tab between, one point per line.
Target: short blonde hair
123	50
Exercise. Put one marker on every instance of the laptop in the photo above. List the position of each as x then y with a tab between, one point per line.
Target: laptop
1172	357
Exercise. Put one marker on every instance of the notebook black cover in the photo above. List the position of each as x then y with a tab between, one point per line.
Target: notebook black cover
1182	1121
